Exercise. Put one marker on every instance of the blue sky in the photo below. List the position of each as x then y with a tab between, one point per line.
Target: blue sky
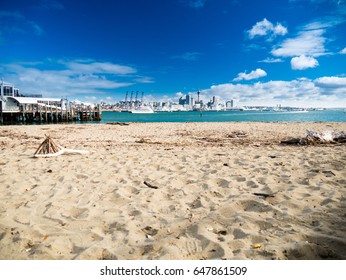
288	52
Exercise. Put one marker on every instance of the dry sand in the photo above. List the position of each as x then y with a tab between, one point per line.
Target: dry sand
198	201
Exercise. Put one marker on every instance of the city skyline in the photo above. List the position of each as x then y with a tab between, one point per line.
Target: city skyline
257	53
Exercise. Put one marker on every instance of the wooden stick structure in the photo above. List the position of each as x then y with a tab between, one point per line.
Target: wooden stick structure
49	149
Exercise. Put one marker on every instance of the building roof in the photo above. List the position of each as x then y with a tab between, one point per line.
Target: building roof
49	99
33	100
24	100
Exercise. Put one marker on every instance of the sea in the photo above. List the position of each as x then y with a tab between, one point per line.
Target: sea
329	115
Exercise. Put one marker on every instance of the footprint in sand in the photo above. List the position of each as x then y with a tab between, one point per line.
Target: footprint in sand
251	184
78	213
193	245
239	234
240	179
82	176
222	183
255	206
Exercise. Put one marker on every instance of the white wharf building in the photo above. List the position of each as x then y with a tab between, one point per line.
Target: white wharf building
17	107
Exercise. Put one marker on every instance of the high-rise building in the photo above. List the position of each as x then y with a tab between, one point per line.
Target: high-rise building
230	104
188	99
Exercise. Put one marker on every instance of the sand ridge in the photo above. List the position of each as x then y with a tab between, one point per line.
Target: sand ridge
209	200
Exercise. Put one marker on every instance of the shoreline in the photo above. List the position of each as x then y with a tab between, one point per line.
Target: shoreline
207	199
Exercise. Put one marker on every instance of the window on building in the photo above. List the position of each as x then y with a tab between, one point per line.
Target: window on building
8	91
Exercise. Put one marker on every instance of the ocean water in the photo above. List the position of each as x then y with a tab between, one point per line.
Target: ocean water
223	116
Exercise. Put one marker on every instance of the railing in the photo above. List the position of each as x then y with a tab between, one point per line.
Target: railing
10	109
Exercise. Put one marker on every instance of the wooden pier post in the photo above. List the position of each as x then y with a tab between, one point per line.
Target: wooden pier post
23	116
45	114
40	113
1	115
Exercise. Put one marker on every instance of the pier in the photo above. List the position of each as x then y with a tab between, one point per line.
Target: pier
18	108
52	114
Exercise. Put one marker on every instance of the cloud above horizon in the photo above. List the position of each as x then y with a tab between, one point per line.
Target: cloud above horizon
90	66
268	29
271	60
77	80
74	77
309	42
303	62
255	74
304	47
297	92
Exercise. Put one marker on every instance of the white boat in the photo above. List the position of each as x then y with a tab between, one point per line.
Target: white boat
142	110
236	109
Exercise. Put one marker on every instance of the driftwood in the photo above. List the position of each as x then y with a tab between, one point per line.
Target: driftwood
326	136
118	123
49	149
312	137
146	141
265	195
294	141
150	185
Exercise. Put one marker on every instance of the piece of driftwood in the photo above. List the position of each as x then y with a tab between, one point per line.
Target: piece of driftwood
265	195
118	123
292	141
312	137
49	149
326	136
150	185
146	141
237	134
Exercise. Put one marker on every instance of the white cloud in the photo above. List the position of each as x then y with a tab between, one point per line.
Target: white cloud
332	82
310	40
266	28
74	77
271	60
309	43
303	62
303	92
255	74
269	93
333	87
279	29
343	51
99	67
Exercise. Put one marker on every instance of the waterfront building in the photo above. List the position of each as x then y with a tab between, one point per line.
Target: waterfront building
11	101
17	107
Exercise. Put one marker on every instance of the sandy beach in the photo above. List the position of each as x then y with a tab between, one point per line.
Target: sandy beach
172	191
